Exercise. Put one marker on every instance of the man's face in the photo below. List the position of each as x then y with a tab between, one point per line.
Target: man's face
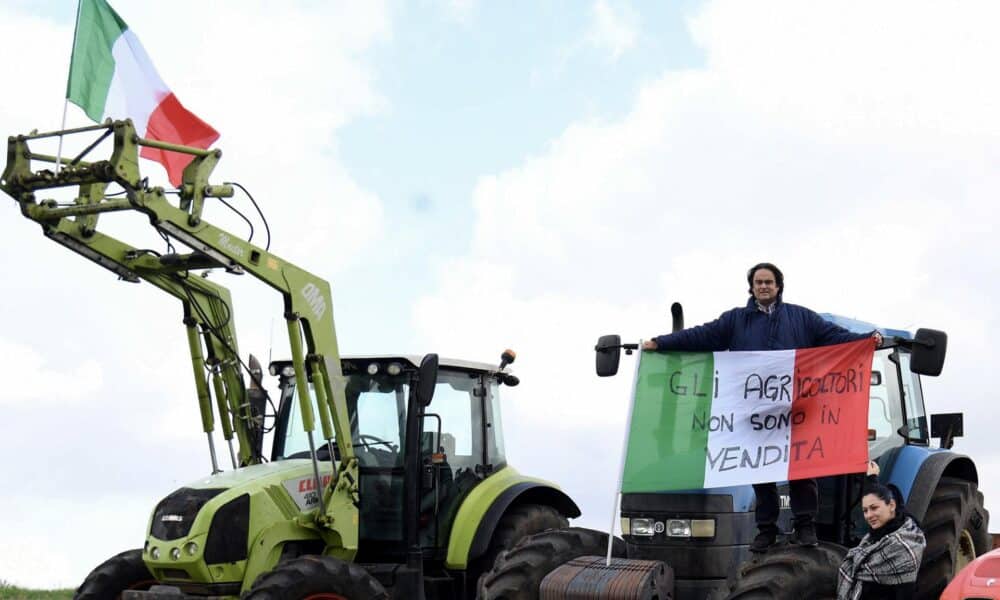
765	286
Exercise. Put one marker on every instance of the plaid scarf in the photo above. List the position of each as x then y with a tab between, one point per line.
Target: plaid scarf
891	559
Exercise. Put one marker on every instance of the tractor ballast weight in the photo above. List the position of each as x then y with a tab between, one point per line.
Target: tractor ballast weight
345	513
617	579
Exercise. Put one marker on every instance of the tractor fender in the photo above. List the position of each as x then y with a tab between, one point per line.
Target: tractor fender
916	471
481	510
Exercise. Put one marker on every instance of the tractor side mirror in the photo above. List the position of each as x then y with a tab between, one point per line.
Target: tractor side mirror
947	426
609	353
927	352
427	379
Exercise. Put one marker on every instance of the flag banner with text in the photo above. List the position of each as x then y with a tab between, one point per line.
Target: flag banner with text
712	419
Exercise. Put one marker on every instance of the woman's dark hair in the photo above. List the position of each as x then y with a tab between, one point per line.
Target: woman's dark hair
779	278
886	493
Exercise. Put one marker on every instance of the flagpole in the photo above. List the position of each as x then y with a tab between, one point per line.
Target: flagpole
76	29
61	128
621	470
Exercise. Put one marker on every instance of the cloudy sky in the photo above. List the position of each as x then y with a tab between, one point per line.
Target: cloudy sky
472	176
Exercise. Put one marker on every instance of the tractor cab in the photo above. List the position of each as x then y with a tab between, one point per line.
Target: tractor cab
896	412
460	442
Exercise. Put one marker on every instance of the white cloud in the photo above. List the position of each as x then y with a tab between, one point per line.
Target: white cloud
38	380
613	31
853	154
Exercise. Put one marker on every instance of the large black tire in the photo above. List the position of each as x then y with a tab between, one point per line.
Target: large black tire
519	571
316	578
516	524
787	573
957	529
121	572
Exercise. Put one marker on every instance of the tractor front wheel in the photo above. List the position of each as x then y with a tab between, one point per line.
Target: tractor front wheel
956	527
121	572
519	572
788	573
317	578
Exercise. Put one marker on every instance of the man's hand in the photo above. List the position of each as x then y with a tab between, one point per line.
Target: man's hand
878	339
873	468
649	345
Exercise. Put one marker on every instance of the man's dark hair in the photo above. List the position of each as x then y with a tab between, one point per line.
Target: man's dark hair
779	278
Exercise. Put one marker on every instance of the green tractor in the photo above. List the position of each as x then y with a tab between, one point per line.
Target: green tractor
403	492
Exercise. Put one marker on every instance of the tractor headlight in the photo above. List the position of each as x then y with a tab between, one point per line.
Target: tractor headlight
394	369
643	527
690	528
679	528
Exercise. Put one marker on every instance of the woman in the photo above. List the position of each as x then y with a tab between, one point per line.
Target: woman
885	563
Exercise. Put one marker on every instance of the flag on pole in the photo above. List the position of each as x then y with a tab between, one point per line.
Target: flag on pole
111	76
702	420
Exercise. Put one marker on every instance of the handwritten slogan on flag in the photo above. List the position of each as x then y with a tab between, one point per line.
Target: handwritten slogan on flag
712	419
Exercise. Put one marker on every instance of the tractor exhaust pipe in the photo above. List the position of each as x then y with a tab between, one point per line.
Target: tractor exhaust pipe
677	317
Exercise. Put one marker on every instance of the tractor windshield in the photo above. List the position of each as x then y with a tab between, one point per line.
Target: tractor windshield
377	408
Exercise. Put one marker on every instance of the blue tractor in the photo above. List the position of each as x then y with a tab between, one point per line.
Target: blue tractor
704	535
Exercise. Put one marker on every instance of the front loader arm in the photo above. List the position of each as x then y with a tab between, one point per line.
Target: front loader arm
208	319
207	306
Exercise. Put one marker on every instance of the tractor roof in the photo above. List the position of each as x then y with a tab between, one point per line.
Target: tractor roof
413	359
857	326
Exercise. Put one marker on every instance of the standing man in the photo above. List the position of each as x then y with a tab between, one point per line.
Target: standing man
767	323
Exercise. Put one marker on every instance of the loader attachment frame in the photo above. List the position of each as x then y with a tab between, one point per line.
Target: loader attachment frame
207	306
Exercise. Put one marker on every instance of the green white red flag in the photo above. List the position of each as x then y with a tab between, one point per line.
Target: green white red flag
702	420
111	76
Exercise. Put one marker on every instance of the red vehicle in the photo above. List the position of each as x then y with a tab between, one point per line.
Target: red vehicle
980	579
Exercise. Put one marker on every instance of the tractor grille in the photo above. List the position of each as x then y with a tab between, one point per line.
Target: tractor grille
678	502
692	559
227	537
175	514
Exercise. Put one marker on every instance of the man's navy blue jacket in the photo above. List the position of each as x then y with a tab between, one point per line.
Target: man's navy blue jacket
787	327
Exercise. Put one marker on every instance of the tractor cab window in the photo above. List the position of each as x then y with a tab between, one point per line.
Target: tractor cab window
885	414
916	418
458	405
494	427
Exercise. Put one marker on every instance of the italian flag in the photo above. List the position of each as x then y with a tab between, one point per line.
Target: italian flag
111	76
712	419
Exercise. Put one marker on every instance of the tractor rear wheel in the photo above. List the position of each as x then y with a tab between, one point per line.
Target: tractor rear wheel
317	578
518	523
519	572
121	572
788	573
956	526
